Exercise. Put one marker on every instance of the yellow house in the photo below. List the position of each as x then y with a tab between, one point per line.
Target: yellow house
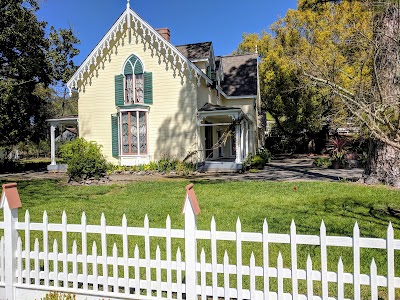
143	99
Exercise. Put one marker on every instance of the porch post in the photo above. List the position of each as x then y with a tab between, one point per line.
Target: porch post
247	138
243	126
238	146
53	143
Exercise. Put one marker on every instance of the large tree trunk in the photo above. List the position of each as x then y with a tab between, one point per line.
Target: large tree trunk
384	160
383	165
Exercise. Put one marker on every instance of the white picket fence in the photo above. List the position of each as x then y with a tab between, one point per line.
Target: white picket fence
28	272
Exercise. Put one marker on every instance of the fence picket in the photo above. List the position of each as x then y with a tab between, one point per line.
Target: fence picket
203	278
340	282
95	268
147	254
27	249
80	282
158	271
115	268
55	262
280	276
356	261
179	274
137	270
252	276
293	251
125	253
324	261
65	249
390	262
104	251
213	234
19	260
36	259
309	272
2	261
374	281
74	265
46	248
84	252
226	276
266	260
239	273
168	249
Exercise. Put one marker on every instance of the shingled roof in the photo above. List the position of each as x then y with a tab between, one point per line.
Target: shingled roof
240	74
195	51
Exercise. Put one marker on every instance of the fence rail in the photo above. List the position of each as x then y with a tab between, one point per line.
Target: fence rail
31	267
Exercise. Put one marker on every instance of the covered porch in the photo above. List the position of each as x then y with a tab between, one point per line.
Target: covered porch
225	138
55	123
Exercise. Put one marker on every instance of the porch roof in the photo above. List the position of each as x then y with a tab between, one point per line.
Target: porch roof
67	120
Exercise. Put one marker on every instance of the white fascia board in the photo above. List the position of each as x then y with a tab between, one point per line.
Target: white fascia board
62	119
235	97
85	66
220	112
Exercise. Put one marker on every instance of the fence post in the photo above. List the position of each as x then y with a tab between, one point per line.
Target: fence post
10	202
191	209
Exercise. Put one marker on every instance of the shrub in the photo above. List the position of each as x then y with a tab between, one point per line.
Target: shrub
59	296
257	162
323	162
265	154
84	159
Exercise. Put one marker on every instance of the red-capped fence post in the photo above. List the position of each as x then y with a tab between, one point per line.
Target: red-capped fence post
191	209
10	202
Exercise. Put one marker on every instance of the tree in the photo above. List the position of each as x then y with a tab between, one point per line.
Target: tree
375	98
306	41
30	62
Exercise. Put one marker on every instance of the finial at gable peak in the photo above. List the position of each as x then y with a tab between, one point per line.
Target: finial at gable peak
128	6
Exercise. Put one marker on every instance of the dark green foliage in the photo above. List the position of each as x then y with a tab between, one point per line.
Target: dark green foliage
257	162
323	162
84	159
30	61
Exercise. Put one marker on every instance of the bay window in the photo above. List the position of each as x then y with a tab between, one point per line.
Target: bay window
133	132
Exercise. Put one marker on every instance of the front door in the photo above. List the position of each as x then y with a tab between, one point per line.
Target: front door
209	141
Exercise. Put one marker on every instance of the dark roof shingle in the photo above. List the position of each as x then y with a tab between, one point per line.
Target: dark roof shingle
195	51
240	74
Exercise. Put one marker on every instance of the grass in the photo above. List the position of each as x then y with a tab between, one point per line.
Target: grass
340	205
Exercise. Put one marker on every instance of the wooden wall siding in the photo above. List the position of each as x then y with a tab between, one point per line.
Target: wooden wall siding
147	272
172	116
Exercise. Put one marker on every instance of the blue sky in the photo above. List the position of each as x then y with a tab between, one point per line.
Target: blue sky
221	21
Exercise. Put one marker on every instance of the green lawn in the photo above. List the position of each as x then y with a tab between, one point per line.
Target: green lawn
340	205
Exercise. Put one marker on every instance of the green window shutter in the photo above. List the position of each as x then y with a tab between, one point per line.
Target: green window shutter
138	67
209	72
114	135
119	90
148	87
128	68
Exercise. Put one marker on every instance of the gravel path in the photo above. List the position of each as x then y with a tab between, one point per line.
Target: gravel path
282	169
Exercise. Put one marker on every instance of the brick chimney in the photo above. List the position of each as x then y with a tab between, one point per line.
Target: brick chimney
166	34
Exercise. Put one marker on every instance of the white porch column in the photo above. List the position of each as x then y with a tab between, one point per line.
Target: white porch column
199	152
238	146
243	126
247	137
53	143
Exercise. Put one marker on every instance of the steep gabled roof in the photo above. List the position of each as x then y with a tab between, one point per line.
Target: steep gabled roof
195	51
131	20
240	75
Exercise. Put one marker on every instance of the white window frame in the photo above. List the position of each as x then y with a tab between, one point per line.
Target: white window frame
137	110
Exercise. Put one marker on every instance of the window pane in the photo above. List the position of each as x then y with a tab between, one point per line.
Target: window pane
129	89
125	133
134	145
142	132
139	88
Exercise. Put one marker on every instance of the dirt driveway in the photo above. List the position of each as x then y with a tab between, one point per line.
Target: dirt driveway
299	168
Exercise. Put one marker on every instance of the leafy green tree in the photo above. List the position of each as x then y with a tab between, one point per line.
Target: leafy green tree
373	96
30	62
302	43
